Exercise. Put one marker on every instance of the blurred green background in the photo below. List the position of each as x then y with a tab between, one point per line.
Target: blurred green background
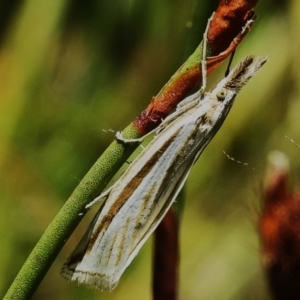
69	69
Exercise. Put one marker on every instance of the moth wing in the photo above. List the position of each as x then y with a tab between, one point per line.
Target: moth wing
69	267
171	191
149	203
109	246
68	270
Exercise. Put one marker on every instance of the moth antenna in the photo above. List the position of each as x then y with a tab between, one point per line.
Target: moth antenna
237	161
292	141
229	63
244	71
203	60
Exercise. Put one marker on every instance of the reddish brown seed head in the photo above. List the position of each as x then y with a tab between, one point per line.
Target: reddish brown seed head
280	231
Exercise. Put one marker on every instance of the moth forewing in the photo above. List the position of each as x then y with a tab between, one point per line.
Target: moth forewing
141	197
133	207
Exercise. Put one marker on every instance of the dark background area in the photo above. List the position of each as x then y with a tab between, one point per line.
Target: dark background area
69	69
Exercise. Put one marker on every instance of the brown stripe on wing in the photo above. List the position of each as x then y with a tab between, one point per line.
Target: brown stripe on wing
113	240
164	185
180	158
178	161
122	245
128	191
139	225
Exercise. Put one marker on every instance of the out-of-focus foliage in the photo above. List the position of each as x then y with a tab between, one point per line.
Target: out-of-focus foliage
69	69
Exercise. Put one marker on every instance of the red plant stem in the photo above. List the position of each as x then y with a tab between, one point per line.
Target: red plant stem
166	256
224	35
280	237
230	17
223	38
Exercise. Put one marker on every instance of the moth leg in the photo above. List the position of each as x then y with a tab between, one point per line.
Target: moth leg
120	138
179	111
190	99
186	105
198	95
101	196
203	60
193	99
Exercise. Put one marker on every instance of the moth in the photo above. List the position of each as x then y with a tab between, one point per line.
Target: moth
143	194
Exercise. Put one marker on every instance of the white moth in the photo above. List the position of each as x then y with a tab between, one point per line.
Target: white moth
141	197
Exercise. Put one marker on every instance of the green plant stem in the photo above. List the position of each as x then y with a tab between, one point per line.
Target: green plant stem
58	232
55	236
64	223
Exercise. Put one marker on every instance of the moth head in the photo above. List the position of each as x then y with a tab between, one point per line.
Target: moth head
221	94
